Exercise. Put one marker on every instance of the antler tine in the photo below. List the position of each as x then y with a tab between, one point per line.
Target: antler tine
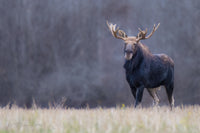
114	31
141	35
139	29
154	29
146	30
142	30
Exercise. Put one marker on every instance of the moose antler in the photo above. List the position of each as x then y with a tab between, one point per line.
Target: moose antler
142	34
119	34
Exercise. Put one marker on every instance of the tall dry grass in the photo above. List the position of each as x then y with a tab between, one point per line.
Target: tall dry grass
113	120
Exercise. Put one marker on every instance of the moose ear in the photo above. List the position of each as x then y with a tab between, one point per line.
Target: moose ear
122	34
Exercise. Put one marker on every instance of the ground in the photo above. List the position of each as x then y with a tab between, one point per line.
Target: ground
113	120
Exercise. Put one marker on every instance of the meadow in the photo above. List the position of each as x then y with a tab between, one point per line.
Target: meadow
184	119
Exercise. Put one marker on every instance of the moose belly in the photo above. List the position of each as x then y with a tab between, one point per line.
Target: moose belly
135	80
154	81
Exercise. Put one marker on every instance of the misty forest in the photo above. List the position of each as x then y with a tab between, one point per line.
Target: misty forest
62	52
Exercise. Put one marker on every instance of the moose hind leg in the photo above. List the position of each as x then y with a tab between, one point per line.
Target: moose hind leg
154	95
169	90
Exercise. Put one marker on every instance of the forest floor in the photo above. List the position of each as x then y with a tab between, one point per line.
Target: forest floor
113	120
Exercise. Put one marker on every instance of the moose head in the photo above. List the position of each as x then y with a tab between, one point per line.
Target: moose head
131	42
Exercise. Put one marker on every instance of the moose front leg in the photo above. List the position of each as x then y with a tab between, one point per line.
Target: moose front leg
133	90
139	94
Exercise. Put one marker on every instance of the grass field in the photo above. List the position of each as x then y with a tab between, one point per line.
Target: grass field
113	120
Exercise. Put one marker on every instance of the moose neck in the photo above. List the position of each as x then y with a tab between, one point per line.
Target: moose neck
142	52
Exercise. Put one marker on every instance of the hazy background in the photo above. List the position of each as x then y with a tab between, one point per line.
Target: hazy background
52	50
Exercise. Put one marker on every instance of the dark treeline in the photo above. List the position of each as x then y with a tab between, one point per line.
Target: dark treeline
54	50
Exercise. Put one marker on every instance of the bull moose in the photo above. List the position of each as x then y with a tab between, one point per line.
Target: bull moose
144	69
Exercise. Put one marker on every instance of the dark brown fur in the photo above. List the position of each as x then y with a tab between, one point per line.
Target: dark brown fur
144	69
147	70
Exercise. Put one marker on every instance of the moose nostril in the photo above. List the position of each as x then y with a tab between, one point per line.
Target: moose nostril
128	51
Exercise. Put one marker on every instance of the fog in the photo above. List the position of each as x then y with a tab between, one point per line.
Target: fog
54	52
